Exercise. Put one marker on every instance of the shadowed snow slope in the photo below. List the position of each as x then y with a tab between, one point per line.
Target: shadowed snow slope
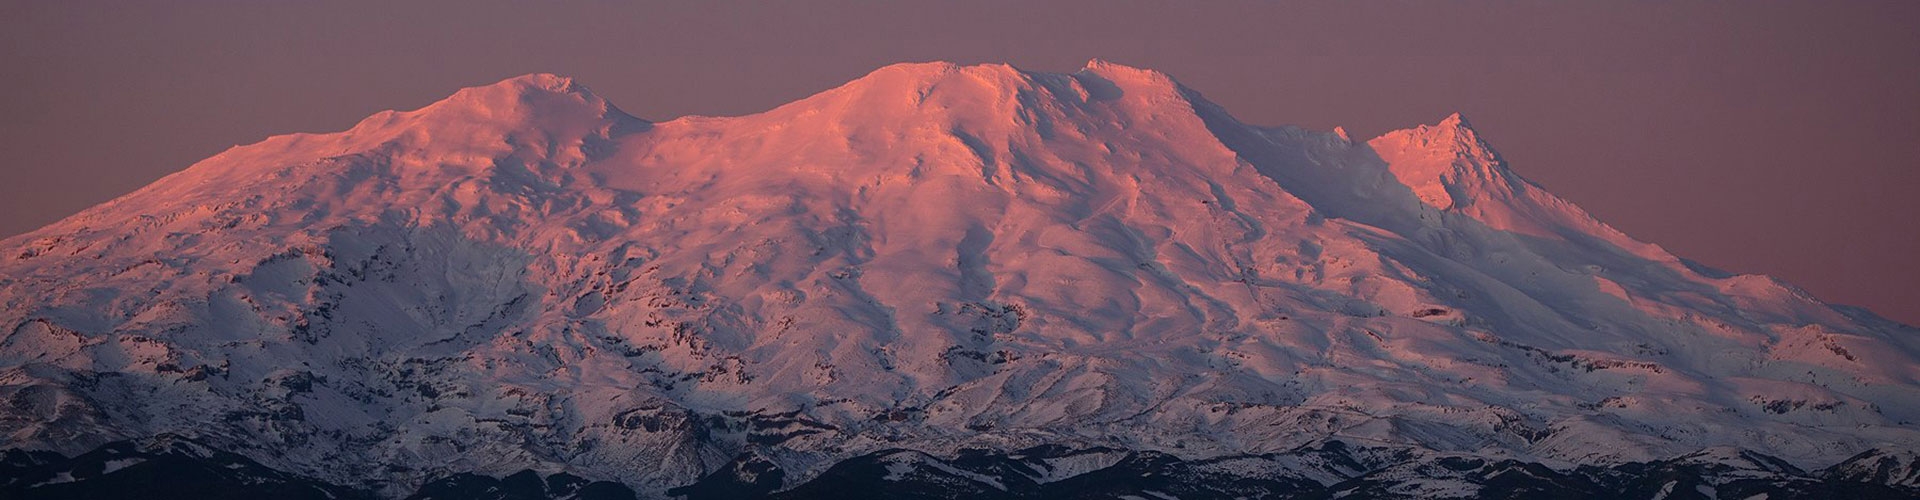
932	256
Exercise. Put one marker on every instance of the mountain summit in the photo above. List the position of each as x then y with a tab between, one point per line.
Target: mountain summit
933	258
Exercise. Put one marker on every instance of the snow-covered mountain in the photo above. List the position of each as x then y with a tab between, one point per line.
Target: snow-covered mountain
932	257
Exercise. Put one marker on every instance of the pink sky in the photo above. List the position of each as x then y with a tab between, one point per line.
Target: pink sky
1778	138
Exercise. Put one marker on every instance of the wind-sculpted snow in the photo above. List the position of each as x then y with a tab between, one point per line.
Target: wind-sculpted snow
931	257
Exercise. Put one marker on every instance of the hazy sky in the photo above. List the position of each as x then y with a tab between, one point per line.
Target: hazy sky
1780	138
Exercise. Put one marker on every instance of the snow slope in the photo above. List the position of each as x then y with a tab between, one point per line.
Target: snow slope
932	256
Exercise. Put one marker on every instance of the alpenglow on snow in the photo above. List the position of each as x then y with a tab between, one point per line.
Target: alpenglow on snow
929	261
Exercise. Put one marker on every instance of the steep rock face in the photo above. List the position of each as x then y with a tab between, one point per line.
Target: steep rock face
933	257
